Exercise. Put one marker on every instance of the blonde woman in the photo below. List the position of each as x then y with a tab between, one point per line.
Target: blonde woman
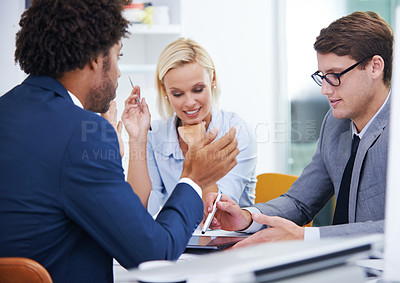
188	93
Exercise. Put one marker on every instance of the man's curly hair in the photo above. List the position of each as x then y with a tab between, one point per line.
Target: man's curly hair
58	36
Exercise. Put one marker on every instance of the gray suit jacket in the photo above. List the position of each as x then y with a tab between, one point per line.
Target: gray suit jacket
321	178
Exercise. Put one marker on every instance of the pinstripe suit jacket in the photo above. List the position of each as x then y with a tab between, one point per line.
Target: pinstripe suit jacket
321	179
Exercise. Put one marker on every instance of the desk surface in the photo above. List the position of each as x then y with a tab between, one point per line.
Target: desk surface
278	260
120	272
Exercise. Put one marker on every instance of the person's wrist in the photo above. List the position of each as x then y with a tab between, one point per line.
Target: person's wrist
138	140
193	178
248	219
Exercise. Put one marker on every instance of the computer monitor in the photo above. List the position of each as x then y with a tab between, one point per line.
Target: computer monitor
392	225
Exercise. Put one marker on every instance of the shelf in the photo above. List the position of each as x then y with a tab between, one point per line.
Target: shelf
154	29
137	68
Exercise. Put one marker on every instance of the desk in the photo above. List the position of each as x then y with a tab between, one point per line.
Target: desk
334	258
120	272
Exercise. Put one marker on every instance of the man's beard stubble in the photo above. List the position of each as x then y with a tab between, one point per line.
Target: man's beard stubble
99	98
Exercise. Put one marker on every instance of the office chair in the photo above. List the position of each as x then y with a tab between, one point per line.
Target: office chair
272	185
22	270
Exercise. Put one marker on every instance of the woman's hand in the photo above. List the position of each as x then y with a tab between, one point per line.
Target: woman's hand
111	117
136	119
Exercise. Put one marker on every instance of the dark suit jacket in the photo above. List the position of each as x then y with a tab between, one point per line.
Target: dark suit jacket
63	198
321	179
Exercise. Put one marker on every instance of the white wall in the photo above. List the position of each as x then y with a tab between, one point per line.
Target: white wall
241	37
10	74
304	20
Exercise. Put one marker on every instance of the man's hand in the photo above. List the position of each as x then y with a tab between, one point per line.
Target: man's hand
229	216
205	162
279	229
111	117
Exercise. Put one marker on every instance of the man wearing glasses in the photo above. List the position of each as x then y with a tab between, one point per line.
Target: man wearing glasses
354	71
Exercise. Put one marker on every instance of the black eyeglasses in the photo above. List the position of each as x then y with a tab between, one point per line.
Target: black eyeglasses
333	78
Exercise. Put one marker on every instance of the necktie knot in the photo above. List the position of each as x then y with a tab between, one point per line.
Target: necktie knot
355	143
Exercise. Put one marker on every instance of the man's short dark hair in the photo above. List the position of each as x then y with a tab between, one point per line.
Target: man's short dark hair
359	35
58	36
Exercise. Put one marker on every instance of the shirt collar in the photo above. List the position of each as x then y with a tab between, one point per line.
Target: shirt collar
361	134
75	100
170	144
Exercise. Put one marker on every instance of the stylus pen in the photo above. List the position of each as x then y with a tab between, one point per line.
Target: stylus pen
210	216
137	98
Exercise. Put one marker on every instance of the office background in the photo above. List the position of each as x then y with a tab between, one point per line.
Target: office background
264	57
263	51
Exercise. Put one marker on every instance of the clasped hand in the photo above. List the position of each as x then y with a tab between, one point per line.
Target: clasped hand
111	117
206	162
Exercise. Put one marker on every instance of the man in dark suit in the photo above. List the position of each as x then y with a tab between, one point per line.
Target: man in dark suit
64	201
354	71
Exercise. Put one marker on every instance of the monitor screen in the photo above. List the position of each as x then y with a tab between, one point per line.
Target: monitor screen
392	227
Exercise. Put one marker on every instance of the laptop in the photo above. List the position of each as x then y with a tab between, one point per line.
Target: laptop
264	262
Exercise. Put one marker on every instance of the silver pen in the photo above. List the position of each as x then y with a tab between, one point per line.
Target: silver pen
137	98
211	215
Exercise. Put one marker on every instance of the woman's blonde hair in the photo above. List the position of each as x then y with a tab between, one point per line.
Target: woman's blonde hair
177	53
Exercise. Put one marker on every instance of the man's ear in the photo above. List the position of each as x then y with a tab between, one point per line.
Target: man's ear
378	66
95	63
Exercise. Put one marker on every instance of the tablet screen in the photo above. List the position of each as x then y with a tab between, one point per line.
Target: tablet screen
212	242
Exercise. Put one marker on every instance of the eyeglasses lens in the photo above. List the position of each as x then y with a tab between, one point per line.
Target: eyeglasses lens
332	79
317	78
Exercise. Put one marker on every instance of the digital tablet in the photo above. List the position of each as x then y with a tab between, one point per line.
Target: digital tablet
212	242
